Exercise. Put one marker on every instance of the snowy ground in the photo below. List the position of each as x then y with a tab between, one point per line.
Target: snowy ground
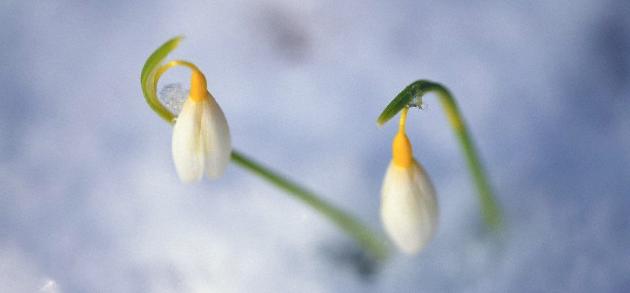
89	199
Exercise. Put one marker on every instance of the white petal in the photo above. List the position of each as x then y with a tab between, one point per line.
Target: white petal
216	138
187	145
408	207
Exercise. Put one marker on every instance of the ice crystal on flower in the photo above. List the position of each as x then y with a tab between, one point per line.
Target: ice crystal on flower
173	96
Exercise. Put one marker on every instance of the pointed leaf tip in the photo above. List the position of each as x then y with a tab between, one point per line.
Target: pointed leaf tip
158	55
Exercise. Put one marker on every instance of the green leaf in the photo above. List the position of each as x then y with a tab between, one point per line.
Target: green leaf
148	82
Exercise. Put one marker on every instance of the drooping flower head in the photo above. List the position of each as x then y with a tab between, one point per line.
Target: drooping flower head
201	137
408	204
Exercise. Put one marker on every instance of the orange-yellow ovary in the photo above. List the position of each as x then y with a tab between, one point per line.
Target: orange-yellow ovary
401	150
401	147
198	87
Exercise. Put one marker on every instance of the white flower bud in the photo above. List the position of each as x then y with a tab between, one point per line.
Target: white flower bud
408	207
201	137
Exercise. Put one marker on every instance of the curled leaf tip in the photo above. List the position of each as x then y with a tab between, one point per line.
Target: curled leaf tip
148	81
407	97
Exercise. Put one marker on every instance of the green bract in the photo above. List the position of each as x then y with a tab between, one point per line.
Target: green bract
149	82
406	97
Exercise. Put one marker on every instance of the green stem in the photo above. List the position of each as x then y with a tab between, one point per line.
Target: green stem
491	212
489	206
366	238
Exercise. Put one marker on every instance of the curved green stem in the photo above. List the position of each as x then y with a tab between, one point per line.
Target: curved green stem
489	206
366	238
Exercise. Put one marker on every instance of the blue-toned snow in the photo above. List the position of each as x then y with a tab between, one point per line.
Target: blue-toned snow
90	202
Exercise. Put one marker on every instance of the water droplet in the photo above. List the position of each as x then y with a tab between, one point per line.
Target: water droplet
417	102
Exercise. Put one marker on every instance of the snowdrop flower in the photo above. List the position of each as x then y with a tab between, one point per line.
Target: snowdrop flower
408	204
201	137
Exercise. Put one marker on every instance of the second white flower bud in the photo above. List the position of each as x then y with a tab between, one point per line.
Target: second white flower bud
409	209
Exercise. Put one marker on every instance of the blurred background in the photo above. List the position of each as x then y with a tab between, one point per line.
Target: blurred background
90	202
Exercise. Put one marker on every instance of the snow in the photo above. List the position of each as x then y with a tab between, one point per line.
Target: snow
90	202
